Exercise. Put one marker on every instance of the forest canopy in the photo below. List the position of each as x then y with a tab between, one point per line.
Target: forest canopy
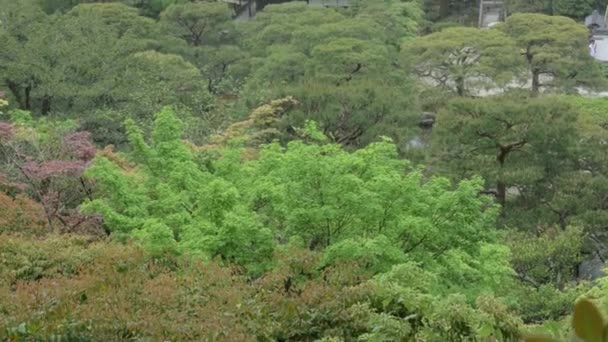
381	171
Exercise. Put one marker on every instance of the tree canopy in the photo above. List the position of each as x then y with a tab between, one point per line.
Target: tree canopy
382	171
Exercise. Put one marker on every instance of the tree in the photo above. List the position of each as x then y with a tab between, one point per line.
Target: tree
441	9
45	162
554	48
575	9
151	80
171	204
222	204
579	197
197	22
510	143
344	70
570	8
43	79
224	66
551	256
400	19
461	58
15	31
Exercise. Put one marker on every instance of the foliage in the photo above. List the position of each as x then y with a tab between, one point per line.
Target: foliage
226	206
508	142
172	200
109	291
555	49
587	323
197	22
270	198
570	8
549	258
20	214
45	163
341	68
461	58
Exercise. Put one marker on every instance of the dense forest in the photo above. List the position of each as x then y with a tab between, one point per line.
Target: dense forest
385	171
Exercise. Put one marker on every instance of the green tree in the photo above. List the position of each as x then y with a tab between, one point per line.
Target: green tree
45	79
570	8
511	143
579	196
554	48
172	204
442	9
16	29
461	58
151	80
343	68
233	207
197	22
400	19
550	257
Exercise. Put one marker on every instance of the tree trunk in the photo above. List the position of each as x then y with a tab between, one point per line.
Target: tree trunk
501	193
28	98
46	105
460	86
535	81
501	187
16	91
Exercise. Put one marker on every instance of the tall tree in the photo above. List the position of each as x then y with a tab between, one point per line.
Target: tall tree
521	144
77	72
461	58
555	50
197	22
342	68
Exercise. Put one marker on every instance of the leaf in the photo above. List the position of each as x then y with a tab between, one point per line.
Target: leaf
486	330
587	321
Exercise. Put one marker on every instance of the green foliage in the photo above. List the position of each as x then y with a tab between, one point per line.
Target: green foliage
28	260
570	8
550	257
509	143
21	117
152	80
555	47
587	323
172	201
233	208
377	255
341	67
460	58
197	22
269	199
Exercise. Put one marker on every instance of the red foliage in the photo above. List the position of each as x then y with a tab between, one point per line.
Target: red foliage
46	169
80	145
51	174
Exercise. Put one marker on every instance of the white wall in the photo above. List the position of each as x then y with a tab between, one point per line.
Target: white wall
601	43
